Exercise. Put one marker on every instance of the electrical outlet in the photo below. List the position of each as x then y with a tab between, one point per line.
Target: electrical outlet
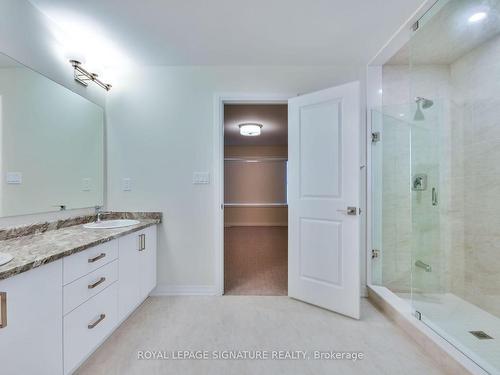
127	184
201	178
86	184
14	178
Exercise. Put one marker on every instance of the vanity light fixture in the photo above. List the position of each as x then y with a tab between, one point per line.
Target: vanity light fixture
250	129
476	17
83	76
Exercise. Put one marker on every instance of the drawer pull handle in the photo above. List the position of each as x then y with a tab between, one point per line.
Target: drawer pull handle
100	281
101	318
100	256
142	242
3	309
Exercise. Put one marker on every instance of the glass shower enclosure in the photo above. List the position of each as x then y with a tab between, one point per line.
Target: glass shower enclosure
436	177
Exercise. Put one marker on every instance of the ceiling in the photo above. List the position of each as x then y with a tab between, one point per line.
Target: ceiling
447	35
235	32
7	62
273	117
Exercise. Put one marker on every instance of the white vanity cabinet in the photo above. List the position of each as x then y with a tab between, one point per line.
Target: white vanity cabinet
57	314
30	342
137	269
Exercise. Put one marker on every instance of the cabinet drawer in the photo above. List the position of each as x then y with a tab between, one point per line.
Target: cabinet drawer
80	264
89	285
88	325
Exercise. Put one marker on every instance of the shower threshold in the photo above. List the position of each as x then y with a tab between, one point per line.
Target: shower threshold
458	322
435	342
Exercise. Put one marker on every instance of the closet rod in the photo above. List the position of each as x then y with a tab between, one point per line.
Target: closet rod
255	159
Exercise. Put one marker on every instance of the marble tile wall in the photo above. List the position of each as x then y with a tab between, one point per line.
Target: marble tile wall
411	228
475	79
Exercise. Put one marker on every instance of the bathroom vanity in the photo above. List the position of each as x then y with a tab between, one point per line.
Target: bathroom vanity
67	290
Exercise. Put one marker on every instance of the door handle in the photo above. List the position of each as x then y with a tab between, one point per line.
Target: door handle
434	197
3	309
352	211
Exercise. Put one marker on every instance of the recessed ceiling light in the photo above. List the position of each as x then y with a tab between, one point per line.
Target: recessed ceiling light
250	129
476	17
401	115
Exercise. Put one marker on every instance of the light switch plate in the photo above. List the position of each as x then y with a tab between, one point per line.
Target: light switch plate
14	178
201	178
86	183
127	184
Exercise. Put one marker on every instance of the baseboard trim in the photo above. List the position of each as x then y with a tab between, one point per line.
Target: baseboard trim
185	290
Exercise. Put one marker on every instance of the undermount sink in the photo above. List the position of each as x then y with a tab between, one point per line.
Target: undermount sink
110	224
5	258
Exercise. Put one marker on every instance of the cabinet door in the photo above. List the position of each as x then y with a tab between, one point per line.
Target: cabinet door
129	268
147	256
31	342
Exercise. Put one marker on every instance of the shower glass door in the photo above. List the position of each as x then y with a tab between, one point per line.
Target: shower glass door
427	199
454	90
391	199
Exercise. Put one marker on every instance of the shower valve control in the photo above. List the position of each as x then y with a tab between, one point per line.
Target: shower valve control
419	182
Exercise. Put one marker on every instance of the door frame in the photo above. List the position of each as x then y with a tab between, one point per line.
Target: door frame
219	100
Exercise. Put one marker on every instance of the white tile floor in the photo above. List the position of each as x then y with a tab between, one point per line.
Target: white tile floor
453	318
256	323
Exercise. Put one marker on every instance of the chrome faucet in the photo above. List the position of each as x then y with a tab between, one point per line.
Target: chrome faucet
99	212
423	265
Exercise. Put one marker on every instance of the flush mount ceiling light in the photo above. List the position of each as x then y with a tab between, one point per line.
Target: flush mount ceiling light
476	17
83	76
250	129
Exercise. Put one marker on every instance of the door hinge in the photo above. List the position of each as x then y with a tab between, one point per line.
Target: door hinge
418	315
375	137
415	26
375	253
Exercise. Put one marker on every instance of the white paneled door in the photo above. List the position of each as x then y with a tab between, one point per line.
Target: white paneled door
323	198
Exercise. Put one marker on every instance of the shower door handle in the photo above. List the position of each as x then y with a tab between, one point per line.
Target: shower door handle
434	197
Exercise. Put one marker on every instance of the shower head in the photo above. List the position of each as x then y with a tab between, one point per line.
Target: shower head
422	103
426	103
419	115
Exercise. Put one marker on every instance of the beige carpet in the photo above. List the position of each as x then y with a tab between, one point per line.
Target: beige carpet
256	261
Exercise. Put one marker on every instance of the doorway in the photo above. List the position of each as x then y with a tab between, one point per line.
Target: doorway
255	199
322	190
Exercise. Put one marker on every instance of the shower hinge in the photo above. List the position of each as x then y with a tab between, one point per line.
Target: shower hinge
375	137
375	253
418	315
415	26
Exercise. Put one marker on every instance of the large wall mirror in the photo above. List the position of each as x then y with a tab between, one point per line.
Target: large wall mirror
51	144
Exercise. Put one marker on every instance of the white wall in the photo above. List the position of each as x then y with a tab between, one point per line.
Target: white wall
160	130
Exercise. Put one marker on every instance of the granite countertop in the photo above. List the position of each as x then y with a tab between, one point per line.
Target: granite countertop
35	249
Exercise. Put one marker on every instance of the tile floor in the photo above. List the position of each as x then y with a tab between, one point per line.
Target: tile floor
256	323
